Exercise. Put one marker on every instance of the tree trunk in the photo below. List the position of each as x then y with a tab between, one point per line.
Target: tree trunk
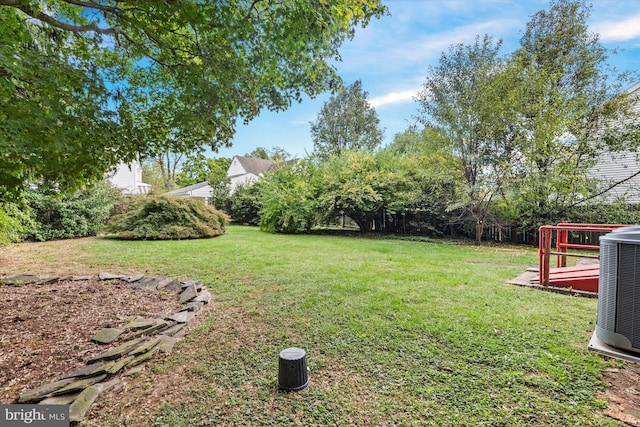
478	231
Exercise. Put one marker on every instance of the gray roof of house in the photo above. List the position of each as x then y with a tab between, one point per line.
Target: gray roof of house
255	166
258	166
187	189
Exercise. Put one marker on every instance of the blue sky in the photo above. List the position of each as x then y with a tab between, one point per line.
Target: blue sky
392	54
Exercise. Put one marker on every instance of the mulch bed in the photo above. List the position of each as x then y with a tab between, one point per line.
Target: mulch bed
46	330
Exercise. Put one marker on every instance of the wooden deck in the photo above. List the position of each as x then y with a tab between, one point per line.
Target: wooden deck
581	280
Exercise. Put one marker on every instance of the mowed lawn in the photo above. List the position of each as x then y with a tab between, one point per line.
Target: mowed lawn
396	333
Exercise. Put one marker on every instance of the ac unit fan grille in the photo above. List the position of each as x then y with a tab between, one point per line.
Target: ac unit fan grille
607	289
628	319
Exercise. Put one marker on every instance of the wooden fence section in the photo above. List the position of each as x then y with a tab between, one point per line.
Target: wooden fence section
507	233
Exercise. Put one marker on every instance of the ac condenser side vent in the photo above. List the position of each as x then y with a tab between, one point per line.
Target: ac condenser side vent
618	322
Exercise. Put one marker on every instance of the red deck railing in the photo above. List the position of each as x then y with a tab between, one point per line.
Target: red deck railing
562	245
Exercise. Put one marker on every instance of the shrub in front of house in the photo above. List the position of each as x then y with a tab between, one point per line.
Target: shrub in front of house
245	204
167	218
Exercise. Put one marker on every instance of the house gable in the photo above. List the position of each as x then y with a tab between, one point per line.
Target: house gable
245	170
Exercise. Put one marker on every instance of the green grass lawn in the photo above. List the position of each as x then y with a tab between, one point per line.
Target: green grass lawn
396	333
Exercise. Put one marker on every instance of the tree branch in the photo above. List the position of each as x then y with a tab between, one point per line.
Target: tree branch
47	19
92	5
615	184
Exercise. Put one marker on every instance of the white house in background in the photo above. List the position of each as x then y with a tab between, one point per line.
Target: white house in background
244	170
201	190
128	178
621	167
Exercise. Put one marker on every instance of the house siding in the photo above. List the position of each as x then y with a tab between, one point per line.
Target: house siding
245	170
611	168
616	167
201	190
128	179
244	179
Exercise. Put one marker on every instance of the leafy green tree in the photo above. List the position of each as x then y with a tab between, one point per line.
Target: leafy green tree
169	163
81	81
258	153
388	191
219	181
368	188
433	180
194	169
58	215
403	188
572	107
526	128
288	199
457	99
151	174
346	122
15	223
53	101
276	154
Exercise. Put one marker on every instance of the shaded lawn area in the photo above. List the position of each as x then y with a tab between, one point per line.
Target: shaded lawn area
396	333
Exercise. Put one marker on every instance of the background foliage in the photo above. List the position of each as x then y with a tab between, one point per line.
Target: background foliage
246	204
14	223
68	215
47	215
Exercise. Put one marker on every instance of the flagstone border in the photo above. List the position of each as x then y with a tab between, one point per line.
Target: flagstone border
144	339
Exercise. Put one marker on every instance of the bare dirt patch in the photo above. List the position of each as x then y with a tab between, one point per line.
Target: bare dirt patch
623	393
46	330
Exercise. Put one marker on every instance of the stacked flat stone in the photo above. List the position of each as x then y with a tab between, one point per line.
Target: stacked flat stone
142	340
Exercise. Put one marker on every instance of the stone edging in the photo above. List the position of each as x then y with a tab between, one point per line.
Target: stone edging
145	338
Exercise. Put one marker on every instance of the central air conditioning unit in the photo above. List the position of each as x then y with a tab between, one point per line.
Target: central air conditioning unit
618	322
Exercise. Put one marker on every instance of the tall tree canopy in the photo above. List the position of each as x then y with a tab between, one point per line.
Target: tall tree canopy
81	81
573	109
277	154
457	98
346	122
526	127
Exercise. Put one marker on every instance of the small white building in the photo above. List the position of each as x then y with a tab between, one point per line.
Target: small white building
128	178
201	190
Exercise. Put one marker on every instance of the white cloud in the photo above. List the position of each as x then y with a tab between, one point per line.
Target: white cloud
401	97
414	47
627	29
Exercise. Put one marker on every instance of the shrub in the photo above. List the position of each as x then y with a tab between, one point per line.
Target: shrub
167	218
245	204
288	200
14	223
64	216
